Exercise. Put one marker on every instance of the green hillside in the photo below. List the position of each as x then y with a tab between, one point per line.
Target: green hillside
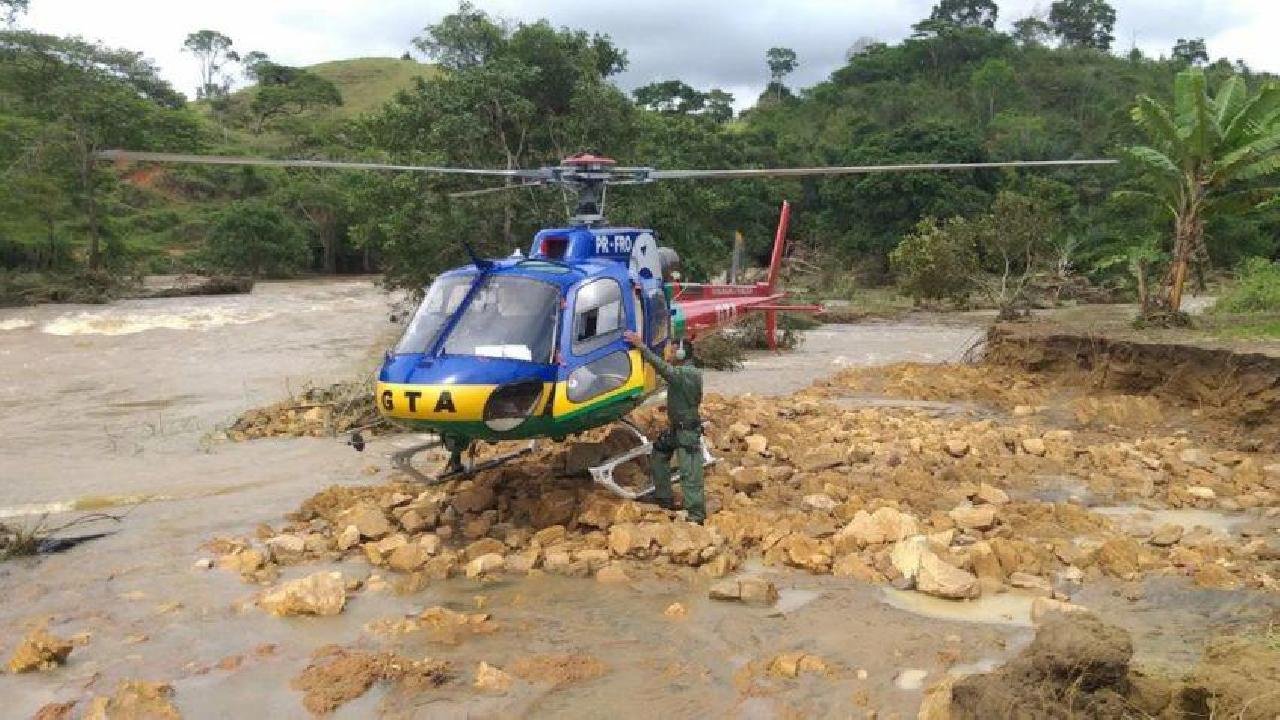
366	83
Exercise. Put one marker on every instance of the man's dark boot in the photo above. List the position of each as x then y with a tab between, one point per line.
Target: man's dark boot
650	498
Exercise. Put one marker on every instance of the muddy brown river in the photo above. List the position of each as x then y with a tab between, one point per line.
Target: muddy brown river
117	407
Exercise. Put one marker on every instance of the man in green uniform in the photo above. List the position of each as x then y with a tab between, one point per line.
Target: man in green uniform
683	437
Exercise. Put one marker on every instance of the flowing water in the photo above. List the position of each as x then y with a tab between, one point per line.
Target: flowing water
113	407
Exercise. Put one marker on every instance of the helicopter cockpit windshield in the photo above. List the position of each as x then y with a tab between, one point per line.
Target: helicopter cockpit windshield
508	317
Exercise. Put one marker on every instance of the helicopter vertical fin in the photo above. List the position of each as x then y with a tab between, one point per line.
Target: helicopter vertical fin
779	245
775	266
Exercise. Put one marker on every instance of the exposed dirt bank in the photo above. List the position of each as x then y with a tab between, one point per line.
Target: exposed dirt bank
1223	383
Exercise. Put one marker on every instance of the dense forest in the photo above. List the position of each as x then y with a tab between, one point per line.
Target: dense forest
498	93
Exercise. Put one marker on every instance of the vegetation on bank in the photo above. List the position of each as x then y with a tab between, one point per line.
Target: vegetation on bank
521	94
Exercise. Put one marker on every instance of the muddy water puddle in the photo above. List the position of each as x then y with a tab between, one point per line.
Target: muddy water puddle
1141	520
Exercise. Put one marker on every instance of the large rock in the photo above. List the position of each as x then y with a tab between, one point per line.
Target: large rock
907	555
39	650
1043	607
991	494
939	579
747	480
977	517
852	565
1166	535
882	526
474	499
408	558
750	590
554	508
370	521
324	593
492	679
485	565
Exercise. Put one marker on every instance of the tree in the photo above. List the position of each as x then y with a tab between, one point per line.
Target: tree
1083	23
253	237
1013	239
937	261
1031	31
1191	52
782	62
464	39
213	50
719	105
284	90
11	9
990	81
670	96
965	13
1208	155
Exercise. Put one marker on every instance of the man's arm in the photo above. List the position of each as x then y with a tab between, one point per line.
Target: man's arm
662	367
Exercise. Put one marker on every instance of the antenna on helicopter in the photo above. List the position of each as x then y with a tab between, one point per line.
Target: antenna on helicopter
480	263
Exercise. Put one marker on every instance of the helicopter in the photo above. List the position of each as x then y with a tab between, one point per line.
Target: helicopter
531	346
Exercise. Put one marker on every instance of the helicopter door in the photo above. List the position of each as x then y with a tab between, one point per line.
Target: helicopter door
599	363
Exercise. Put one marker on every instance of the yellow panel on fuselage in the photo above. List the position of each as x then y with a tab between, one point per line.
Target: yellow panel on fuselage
456	403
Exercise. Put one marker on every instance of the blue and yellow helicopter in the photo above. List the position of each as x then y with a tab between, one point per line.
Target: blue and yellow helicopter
531	346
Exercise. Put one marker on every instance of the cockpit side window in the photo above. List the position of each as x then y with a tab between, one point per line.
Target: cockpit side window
441	301
597	315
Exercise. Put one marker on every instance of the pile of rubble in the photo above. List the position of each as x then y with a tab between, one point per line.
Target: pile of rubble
945	503
316	412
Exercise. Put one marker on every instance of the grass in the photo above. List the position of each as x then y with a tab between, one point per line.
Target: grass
1252	329
366	83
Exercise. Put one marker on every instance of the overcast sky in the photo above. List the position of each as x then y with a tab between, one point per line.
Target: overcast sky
706	43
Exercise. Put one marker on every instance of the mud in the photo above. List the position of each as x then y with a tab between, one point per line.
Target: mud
1235	386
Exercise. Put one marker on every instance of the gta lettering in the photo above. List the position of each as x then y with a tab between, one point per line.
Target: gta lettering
725	312
443	403
615	244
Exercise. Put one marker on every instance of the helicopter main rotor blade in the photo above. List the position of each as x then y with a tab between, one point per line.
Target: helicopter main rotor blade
861	169
131	156
486	191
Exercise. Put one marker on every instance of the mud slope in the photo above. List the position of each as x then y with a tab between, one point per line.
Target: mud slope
1242	386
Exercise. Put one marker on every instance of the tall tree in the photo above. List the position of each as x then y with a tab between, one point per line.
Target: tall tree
782	62
1208	155
284	90
463	39
719	105
966	13
11	9
1191	51
1083	23
670	96
1031	31
994	79
213	51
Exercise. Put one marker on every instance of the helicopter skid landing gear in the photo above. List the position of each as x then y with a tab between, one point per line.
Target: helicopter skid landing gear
603	473
403	461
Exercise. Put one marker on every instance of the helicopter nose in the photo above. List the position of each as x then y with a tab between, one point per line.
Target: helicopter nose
511	404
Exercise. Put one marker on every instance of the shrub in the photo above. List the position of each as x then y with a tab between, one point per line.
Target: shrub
255	238
1257	289
937	262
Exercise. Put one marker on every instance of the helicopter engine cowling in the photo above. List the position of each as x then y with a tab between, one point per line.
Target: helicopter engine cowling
669	261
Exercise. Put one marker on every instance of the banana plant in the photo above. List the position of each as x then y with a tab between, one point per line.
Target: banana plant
1206	155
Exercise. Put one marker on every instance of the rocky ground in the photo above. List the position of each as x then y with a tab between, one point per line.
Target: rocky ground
944	490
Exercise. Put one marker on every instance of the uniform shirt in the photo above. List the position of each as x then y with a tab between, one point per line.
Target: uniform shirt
684	388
